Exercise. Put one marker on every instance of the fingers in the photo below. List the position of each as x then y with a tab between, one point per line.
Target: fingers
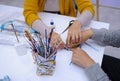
76	39
73	39
80	35
69	38
56	41
73	45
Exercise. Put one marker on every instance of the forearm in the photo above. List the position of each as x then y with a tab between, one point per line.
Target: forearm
107	37
86	34
39	26
95	73
30	11
85	18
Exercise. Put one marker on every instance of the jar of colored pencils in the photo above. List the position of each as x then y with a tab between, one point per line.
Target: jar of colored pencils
43	54
44	66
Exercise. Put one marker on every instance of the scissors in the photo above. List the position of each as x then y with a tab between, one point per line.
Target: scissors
70	23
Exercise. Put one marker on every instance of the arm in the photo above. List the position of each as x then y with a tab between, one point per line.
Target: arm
86	9
104	36
55	37
86	34
107	37
92	70
95	73
31	9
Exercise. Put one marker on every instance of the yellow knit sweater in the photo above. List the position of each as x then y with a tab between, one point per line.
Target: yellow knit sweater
32	7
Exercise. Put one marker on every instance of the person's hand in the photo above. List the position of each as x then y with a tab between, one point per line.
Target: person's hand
85	35
56	41
81	58
74	33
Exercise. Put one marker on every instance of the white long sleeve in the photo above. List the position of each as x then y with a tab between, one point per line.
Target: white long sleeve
39	26
85	18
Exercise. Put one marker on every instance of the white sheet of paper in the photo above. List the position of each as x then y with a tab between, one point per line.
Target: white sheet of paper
21	68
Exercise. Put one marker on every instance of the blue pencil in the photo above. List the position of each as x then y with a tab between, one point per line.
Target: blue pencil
46	42
52	24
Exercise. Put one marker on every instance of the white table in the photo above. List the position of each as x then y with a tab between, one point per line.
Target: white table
21	68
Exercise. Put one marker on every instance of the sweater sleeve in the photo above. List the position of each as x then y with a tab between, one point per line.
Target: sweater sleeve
30	11
107	37
84	5
86	10
95	73
85	18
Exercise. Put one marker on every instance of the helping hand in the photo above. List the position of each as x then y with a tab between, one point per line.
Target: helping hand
81	58
56	41
74	33
85	35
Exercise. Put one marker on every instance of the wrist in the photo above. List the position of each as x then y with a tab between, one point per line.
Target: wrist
87	34
90	33
89	63
78	23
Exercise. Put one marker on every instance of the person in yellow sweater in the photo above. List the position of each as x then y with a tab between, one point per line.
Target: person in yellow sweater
64	7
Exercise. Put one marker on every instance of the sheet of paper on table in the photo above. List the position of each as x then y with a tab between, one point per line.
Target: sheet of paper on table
23	69
65	70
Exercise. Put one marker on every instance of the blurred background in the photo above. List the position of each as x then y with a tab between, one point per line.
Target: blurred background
109	12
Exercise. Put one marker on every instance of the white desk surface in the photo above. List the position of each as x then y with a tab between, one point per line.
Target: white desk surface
21	68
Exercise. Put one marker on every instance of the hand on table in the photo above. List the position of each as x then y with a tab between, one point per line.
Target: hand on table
74	33
56	41
81	58
85	35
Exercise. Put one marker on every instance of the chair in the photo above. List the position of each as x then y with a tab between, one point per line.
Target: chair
97	10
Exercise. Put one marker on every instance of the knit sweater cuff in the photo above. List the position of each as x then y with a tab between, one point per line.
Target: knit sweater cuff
95	73
98	34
